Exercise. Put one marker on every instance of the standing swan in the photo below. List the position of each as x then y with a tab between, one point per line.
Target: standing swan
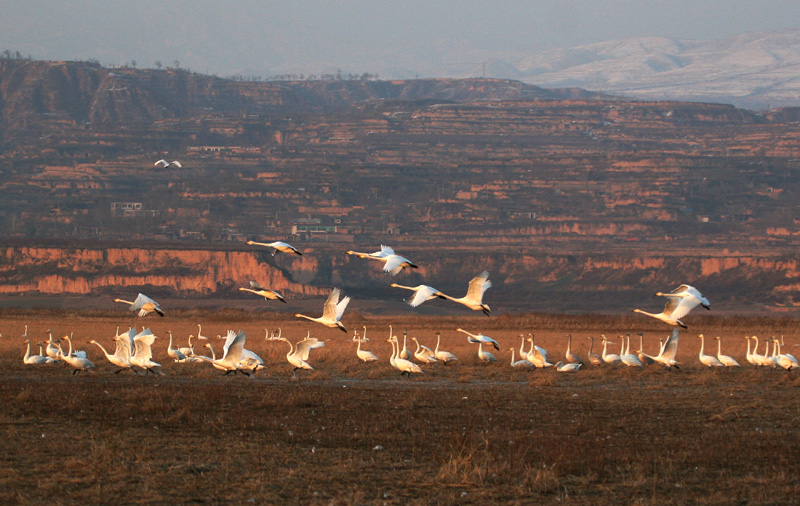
77	363
277	246
441	355
332	311
32	359
609	358
365	355
708	360
725	359
406	367
174	353
594	358
571	357
144	304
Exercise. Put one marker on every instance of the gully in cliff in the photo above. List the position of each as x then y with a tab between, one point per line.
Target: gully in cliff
144	305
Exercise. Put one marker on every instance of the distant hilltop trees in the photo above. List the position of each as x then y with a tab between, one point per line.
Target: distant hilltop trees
8	54
339	76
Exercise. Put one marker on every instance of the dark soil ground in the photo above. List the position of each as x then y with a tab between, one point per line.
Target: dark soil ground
353	433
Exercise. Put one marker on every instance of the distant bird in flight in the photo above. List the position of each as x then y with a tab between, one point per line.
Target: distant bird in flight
277	246
164	164
144	305
679	302
393	263
264	292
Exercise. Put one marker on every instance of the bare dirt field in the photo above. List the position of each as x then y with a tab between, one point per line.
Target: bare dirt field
355	433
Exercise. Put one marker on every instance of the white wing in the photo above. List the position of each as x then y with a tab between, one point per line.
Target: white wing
161	163
305	346
176	163
394	264
684	305
142	343
234	346
671	346
330	308
478	286
340	307
384	252
424	293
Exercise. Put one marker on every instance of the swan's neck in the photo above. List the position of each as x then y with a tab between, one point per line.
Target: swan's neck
102	349
28	352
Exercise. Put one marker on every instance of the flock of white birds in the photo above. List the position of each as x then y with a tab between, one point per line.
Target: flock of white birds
133	349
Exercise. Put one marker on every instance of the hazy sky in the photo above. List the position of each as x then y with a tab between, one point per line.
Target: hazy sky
261	37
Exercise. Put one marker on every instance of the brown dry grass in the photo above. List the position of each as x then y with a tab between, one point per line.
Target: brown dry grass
352	433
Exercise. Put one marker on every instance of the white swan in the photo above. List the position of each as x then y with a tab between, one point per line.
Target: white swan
174	353
421	293
77	363
679	302
164	164
277	246
424	354
474	297
562	367
53	351
537	355
188	351
609	358
142	352
669	351
332	311
644	358
485	356
627	357
594	358
785	361
519	364
32	359
144	305
364	355
572	358
479	338
47	359
120	357
406	367
393	263
231	361
749	356
725	359
441	355
263	292
299	353
707	360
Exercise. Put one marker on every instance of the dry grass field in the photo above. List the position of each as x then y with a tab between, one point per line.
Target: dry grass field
350	433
